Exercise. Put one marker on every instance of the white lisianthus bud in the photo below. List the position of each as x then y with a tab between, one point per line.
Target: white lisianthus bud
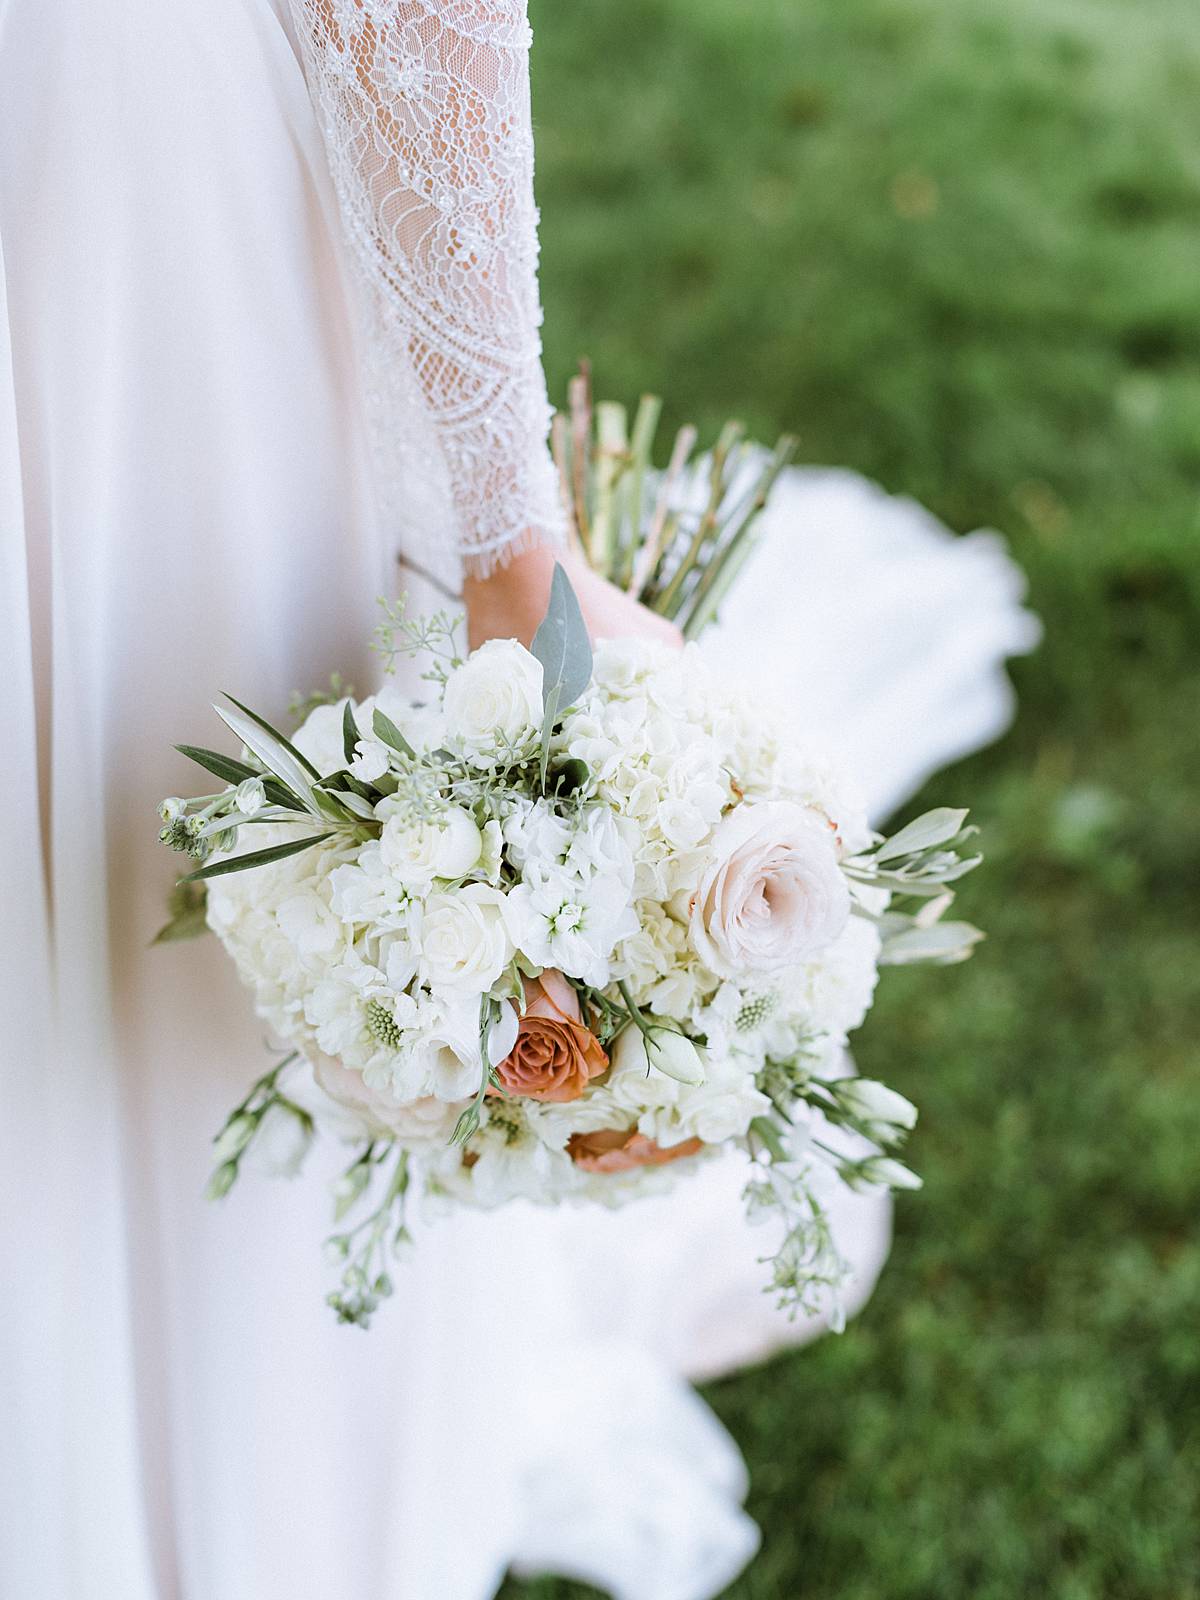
665	1050
370	760
884	1111
494	699
234	1138
283	1141
447	846
878	1172
502	1035
250	796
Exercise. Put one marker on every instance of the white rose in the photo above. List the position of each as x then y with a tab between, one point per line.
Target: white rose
445	846
463	939
569	922
773	893
494	698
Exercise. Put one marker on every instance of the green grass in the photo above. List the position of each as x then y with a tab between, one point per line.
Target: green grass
956	244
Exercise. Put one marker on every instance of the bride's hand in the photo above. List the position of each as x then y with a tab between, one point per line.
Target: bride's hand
511	602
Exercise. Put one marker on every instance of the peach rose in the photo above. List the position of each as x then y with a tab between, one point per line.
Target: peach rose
773	894
623	1149
555	1056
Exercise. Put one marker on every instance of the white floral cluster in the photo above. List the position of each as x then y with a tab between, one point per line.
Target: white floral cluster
559	956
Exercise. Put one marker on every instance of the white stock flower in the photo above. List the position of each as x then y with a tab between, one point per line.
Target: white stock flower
365	891
370	760
494	699
562	920
773	893
416	852
463	940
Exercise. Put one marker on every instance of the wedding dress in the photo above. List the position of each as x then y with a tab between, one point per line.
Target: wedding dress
268	318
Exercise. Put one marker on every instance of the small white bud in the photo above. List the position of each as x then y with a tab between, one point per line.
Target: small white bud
250	796
232	1140
665	1050
172	808
879	1172
886	1112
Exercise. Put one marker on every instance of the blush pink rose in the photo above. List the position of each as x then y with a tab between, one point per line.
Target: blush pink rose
773	894
427	1118
556	1056
623	1149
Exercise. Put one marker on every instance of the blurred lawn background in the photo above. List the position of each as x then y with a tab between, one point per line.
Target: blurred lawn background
955	244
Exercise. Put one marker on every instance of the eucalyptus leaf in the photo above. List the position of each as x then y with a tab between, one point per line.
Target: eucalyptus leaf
387	730
933	828
943	943
256	858
187	919
562	646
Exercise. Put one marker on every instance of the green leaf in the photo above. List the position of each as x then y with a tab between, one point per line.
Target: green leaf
272	749
256	858
943	943
933	828
349	732
186	921
562	646
275	734
572	775
387	730
355	804
231	771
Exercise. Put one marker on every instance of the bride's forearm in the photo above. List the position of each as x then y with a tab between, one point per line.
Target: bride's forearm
511	600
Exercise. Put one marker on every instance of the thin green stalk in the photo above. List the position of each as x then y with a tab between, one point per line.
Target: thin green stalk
671	599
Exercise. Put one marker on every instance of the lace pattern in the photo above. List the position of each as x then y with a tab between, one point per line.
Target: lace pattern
424	106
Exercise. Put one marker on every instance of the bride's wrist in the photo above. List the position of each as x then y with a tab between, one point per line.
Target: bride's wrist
530	568
511	600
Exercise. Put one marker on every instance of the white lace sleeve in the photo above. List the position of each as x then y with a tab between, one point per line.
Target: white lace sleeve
424	105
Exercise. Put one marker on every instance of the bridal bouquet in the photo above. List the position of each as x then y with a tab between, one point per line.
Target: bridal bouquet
565	928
